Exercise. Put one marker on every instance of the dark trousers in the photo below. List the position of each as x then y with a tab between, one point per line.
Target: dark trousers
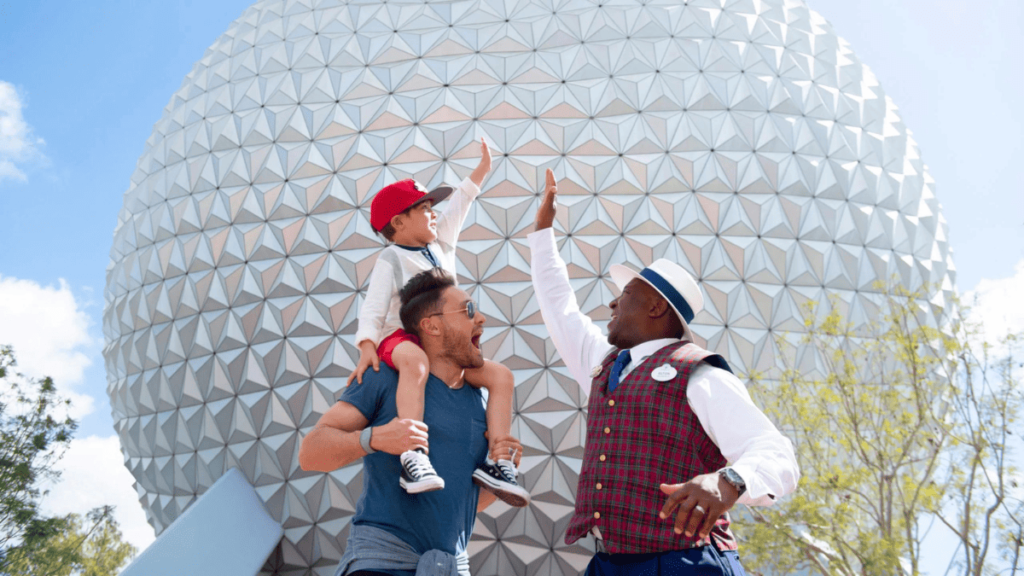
703	561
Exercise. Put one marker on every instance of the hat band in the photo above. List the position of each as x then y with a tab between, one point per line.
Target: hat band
671	294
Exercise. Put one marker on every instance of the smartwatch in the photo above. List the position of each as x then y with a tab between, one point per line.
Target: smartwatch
733	477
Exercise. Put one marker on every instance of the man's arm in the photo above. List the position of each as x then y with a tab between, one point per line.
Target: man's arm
581	344
485	499
759	453
334	440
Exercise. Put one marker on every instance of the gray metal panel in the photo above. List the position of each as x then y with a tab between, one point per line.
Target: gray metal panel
226	532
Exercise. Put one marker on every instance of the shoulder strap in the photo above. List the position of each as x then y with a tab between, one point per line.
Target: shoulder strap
711	358
718	362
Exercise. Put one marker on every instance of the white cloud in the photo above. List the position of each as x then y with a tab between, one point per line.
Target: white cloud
18	145
49	332
93	474
998	305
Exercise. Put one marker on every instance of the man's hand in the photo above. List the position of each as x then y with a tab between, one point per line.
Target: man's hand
548	204
367	357
700	503
399	436
481	170
506	446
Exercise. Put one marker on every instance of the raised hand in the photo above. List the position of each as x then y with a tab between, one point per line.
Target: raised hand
481	170
548	204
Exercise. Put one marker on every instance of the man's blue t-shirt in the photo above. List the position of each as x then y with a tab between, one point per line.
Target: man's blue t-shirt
456	421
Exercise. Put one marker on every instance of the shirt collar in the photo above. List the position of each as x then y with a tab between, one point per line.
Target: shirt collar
640	352
412	248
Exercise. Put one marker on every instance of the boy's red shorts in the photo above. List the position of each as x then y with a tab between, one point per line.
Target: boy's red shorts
388	345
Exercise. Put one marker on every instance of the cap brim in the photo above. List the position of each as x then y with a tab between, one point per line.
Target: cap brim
623	275
435	196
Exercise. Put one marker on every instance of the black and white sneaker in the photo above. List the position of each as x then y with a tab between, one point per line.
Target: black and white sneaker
418	474
500	478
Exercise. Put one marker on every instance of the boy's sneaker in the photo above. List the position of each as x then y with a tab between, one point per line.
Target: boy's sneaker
500	478
418	474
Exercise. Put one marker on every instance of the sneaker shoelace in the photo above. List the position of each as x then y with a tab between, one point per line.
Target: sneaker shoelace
418	465
508	470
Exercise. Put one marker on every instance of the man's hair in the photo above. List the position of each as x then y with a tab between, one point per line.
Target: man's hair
422	296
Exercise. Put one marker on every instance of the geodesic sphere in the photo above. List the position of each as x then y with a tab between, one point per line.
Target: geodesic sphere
742	139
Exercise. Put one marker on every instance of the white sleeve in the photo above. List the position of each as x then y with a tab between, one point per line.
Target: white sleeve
580	343
449	222
754	447
374	310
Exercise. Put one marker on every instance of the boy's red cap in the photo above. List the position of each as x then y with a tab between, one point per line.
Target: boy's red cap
396	198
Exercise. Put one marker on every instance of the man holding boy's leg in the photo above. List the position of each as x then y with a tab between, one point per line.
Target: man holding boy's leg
394	533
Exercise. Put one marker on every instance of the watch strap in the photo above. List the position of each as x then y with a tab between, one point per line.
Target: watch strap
733	477
364	440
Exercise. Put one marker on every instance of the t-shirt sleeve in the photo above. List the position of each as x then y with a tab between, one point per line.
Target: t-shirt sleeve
366	397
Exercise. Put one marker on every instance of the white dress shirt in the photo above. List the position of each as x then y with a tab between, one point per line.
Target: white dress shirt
756	450
378	314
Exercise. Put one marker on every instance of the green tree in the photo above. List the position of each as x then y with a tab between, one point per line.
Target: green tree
35	431
90	546
895	425
865	409
33	436
982	503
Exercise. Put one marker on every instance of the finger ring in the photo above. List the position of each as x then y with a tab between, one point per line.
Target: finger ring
699	508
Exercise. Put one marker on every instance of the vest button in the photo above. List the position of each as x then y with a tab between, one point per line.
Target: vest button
611	402
601	458
597	515
598	486
607	430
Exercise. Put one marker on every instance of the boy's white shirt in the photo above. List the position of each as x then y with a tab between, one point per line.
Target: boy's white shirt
378	315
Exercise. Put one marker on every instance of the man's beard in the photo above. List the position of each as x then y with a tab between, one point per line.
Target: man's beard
460	351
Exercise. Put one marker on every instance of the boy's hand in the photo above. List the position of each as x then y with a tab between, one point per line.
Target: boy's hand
367	356
549	203
481	170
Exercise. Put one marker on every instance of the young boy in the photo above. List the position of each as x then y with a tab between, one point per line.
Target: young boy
420	240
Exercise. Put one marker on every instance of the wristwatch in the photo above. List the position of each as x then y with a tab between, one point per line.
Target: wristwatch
733	477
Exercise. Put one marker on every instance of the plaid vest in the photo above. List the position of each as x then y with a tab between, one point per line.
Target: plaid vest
642	435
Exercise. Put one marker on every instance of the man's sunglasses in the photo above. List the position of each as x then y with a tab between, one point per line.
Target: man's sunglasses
470	310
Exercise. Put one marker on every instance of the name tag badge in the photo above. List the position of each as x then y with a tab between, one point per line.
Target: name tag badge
664	373
596	371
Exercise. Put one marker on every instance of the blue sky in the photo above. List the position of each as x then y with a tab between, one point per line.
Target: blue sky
82	83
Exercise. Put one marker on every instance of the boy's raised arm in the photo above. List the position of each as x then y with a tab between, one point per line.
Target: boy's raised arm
449	222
